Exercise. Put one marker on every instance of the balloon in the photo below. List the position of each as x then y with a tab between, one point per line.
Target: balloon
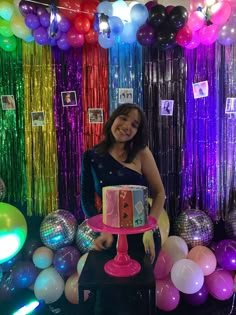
187	276
227	36
226	254
167	296
146	35
45	19
91	37
139	14
106	42
43	257
116	25
208	34
5	30
196	20
195	4
184	36
24	274
29	247
204	257
90	7
7	287
41	10
176	247
129	33
178	17
120	9
48	286
157	15
32	21
74	38
195	41
6	10
40	35
105	7
71	289
64	24
19	28
65	260
150	4
82	23
8	43
70	8
220	12
169	8
197	298
163	265
220	284
13	231
81	263
7	265
165	38
27	7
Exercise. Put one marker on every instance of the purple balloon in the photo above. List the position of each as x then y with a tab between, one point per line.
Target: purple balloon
41	36
26	7
225	253
150	4
146	35
29	248
45	19
197	298
7	265
41	10
32	21
66	259
64	24
24	274
7	287
62	42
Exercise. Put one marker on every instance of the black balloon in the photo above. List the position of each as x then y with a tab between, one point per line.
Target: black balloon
157	15
178	17
165	38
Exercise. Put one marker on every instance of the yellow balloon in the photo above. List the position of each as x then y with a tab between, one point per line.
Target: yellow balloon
18	27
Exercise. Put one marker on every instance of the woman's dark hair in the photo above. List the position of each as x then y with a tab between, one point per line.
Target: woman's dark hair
133	146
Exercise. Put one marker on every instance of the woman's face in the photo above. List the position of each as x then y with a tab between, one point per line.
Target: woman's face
125	126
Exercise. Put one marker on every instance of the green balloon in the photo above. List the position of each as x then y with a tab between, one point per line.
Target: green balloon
5	28
8	43
13	231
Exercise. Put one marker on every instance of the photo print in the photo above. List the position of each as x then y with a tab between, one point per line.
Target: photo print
69	98
230	105
95	115
125	96
38	119
200	89
8	102
167	107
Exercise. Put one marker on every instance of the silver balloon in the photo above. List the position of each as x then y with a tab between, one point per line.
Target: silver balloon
58	229
195	227
85	237
2	190
230	225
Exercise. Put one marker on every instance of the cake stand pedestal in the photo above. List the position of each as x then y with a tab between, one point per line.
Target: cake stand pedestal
122	265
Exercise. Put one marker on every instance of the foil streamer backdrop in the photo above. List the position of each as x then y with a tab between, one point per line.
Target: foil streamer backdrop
40	141
125	71
164	78
12	138
69	128
95	91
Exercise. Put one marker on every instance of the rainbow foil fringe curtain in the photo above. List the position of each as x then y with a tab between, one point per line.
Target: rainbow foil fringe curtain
42	139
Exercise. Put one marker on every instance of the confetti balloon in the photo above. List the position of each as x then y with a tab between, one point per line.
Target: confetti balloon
195	227
85	237
58	229
230	225
2	190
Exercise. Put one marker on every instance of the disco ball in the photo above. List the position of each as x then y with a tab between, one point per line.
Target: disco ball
2	190
85	237
58	229
230	225
195	227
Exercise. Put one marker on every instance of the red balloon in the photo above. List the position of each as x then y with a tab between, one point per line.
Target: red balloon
74	38
82	23
184	36
91	37
72	8
90	7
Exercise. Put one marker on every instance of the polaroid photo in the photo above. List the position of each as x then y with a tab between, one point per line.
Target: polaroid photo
8	102
200	89
230	105
125	96
95	115
167	107
69	98
38	119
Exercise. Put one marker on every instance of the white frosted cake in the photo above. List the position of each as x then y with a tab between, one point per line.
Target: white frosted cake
125	206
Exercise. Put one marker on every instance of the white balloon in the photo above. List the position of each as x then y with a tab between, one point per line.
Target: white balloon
42	257
176	247
81	263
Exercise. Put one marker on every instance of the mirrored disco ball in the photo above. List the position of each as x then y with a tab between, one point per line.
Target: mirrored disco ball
230	225
195	227
58	229
85	237
2	190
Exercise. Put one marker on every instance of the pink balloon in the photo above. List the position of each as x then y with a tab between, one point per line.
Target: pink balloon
71	289
167	296
195	4
74	38
163	265
184	36
204	257
220	12
196	20
195	41
220	284
209	34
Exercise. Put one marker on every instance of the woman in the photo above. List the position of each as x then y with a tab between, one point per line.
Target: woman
123	158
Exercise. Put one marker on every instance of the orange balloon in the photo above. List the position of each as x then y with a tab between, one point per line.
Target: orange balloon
71	289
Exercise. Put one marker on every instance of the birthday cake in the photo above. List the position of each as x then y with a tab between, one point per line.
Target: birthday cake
125	206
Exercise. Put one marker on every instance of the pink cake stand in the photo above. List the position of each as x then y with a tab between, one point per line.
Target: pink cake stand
122	265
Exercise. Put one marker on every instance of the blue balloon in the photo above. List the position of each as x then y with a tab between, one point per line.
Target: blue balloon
139	14
106	42
116	25
129	33
105	7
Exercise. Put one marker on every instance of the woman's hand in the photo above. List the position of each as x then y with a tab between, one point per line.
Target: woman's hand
149	244
103	241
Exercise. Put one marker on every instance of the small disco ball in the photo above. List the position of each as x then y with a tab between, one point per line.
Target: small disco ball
84	237
195	227
2	190
58	229
230	225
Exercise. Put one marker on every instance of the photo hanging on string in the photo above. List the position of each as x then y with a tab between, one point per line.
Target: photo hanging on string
125	96
200	89
95	115
230	105
69	98
8	102
38	119
167	107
